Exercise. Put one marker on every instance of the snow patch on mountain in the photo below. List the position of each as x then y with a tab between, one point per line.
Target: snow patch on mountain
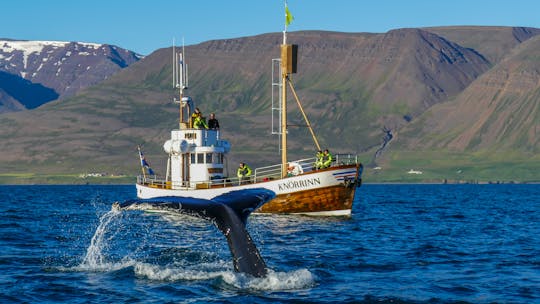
58	66
31	47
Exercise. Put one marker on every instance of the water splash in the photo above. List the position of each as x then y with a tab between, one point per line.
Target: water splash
100	258
95	259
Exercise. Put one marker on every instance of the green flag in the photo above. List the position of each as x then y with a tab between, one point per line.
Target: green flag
288	16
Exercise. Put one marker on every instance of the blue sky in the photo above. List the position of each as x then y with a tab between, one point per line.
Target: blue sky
147	25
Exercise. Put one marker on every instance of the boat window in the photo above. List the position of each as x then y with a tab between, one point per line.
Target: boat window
192	158
216	158
200	158
208	158
220	158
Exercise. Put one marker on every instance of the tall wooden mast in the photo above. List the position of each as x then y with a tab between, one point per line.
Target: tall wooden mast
288	66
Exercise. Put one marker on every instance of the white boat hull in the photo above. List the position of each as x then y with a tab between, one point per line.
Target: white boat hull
323	192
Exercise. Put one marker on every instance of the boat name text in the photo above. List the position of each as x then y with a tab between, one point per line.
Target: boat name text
303	183
190	135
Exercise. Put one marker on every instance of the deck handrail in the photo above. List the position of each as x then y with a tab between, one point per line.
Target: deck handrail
259	174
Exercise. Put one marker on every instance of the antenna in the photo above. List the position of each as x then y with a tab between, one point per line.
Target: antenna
184	66
180	82
174	64
181	70
187	79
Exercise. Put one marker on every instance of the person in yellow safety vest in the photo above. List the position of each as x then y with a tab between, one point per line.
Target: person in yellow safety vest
243	173
199	122
327	159
195	114
318	159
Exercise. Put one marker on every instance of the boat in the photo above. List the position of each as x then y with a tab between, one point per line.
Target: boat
196	157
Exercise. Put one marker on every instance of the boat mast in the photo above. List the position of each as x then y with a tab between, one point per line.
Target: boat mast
288	66
283	114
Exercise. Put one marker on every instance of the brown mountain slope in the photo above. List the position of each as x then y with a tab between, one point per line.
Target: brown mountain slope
494	42
8	103
422	66
498	111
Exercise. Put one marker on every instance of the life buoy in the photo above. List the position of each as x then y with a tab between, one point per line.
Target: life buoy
293	169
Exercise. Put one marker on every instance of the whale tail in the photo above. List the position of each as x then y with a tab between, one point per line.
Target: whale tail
229	212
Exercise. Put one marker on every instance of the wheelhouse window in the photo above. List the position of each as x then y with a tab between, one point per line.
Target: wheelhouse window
200	158
208	158
218	158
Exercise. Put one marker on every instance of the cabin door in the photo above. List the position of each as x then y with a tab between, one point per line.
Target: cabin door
185	168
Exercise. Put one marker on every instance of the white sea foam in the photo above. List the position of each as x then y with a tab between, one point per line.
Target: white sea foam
274	281
105	266
298	279
171	273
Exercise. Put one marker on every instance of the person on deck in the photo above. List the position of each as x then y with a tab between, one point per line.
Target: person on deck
195	114
213	123
198	120
243	173
318	160
199	123
327	159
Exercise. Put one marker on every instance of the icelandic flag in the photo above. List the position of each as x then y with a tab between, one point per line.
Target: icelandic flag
145	164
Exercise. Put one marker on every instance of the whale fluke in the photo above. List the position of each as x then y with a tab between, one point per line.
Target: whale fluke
229	212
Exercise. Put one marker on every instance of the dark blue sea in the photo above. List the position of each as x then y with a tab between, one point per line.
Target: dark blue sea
403	244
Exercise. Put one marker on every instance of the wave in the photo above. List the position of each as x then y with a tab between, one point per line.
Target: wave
273	281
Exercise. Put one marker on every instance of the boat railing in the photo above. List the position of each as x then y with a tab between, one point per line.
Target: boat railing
345	159
306	165
158	182
274	171
261	174
152	181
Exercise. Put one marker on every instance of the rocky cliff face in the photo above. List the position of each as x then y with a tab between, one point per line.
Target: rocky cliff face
493	42
498	111
35	72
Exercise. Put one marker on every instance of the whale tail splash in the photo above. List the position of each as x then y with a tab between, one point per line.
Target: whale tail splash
229	212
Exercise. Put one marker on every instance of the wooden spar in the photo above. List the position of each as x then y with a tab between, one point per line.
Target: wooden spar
305	116
283	112
284	73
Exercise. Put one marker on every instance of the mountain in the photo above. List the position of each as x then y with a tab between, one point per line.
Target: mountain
493	42
488	132
400	95
35	72
502	109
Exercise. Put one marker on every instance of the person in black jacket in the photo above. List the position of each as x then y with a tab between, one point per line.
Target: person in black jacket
213	123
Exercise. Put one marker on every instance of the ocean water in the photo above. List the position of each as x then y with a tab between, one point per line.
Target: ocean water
402	244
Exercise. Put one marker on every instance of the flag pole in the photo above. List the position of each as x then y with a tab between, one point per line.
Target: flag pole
286	18
285	62
141	162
